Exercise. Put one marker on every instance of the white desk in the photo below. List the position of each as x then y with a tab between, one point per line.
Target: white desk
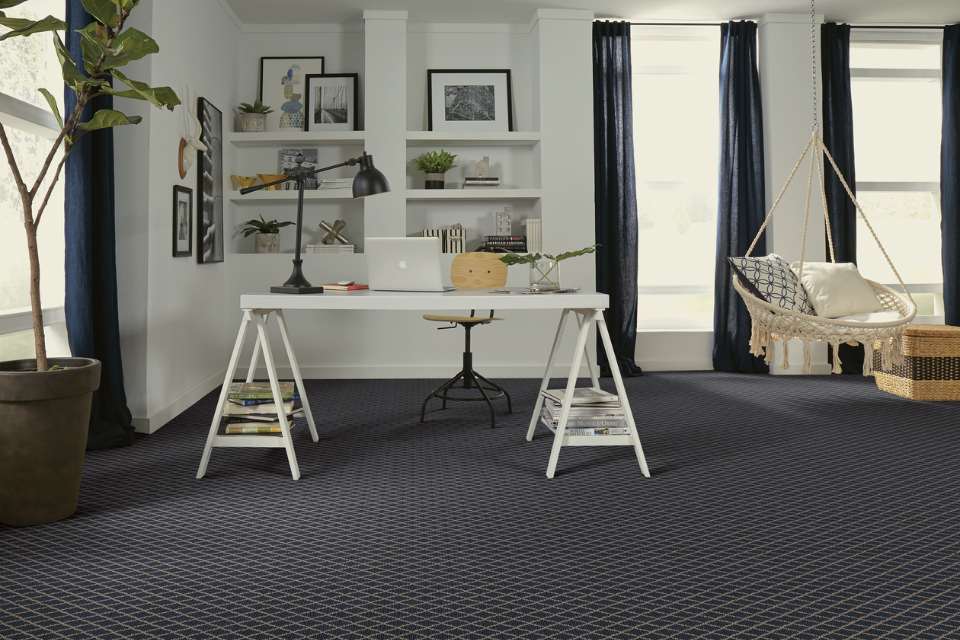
586	307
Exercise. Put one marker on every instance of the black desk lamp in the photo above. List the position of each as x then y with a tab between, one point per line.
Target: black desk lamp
368	181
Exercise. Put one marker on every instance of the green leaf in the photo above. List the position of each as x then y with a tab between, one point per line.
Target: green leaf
25	27
573	254
132	44
103	11
126	5
53	105
71	74
106	118
157	96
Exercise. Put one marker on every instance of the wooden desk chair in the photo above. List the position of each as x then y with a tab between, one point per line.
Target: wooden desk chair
471	271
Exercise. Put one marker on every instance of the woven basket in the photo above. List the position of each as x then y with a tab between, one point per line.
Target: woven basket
931	365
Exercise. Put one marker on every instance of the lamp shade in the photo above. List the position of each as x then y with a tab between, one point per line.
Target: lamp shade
369	180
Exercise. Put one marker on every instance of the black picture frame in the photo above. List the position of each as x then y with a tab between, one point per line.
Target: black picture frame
509	81
210	185
260	86
356	97
179	190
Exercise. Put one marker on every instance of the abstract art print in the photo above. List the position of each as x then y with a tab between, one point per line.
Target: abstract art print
182	221
287	159
469	100
282	86
332	103
210	184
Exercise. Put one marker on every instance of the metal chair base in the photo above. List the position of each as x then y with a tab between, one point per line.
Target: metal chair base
477	389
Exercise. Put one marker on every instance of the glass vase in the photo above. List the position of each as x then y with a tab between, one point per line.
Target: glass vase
545	274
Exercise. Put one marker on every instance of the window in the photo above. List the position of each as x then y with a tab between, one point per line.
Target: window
29	63
896	84
676	134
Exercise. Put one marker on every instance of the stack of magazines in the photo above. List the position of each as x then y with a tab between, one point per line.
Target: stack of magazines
594	412
250	408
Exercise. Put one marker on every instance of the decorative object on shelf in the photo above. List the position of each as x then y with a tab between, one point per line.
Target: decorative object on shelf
503	221
253	117
469	100
287	160
282	83
273	178
435	164
332	102
190	143
331	233
534	228
504	244
267	233
452	237
368	181
481	168
470	182
182	221
239	182
210	184
544	267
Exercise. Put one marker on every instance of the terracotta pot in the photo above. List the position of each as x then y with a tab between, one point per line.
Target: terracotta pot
44	420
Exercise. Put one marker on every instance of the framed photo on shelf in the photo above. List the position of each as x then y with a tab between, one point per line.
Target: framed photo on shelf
282	87
210	184
287	159
469	100
332	102
182	221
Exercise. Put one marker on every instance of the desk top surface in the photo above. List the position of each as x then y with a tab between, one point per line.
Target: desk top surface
426	301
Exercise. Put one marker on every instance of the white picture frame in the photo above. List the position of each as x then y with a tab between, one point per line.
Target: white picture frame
469	100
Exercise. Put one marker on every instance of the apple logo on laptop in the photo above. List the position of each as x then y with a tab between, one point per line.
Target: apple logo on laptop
402	264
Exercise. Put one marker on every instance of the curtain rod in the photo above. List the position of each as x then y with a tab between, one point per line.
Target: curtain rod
896	26
852	26
676	24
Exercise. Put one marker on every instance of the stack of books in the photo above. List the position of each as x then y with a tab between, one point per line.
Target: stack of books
250	408
505	244
452	238
593	412
534	230
328	249
335	183
469	182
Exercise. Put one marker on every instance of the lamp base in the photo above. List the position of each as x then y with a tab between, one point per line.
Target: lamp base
286	288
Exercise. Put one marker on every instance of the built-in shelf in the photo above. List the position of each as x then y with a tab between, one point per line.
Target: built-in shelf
487	193
477	138
275	138
290	196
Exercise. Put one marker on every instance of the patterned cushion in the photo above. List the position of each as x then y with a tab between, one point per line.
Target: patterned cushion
770	278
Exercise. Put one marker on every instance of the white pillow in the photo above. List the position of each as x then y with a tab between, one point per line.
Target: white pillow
837	290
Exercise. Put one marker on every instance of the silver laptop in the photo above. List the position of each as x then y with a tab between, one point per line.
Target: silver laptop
404	264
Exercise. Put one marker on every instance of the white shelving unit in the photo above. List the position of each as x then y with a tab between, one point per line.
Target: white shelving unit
289	196
483	193
491	139
299	138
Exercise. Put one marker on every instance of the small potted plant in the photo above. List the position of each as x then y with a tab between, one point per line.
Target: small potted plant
267	233
544	267
435	164
253	117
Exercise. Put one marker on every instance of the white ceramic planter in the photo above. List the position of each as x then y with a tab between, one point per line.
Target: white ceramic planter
268	242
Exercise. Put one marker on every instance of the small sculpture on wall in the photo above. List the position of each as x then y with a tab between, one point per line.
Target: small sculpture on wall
190	142
332	233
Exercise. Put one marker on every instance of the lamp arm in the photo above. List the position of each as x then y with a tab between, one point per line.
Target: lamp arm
347	163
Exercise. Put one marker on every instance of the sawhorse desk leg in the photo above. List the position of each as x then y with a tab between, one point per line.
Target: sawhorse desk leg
260	319
585	318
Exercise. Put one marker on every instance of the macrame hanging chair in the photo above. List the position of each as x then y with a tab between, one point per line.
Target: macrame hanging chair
770	323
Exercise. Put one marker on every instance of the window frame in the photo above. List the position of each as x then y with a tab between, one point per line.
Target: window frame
902	36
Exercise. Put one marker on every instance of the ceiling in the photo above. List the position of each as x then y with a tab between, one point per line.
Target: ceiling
854	11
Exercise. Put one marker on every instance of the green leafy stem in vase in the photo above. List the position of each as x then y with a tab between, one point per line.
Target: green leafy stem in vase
511	259
435	161
253	226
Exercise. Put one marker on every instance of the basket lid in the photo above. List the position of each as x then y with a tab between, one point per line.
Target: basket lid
931	330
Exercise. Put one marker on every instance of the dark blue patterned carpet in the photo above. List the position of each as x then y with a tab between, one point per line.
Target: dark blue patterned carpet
779	508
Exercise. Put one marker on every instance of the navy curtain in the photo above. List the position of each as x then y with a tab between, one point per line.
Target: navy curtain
741	206
950	175
91	270
838	136
615	190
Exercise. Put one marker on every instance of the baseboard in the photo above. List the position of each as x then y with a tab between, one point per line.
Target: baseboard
429	371
693	364
153	422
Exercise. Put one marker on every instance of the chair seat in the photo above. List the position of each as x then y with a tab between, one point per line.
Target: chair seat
458	319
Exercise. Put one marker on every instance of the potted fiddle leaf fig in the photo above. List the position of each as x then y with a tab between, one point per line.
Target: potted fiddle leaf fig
45	402
266	233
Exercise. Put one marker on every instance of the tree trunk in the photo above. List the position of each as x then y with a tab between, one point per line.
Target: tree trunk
39	340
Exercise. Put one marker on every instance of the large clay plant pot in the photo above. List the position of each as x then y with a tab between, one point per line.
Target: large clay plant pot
44	418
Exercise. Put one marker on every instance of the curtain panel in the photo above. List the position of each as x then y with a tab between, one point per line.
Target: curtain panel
741	205
950	175
615	195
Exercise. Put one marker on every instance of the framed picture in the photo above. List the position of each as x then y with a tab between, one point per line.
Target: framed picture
210	184
282	87
182	221
469	100
287	159
332	102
